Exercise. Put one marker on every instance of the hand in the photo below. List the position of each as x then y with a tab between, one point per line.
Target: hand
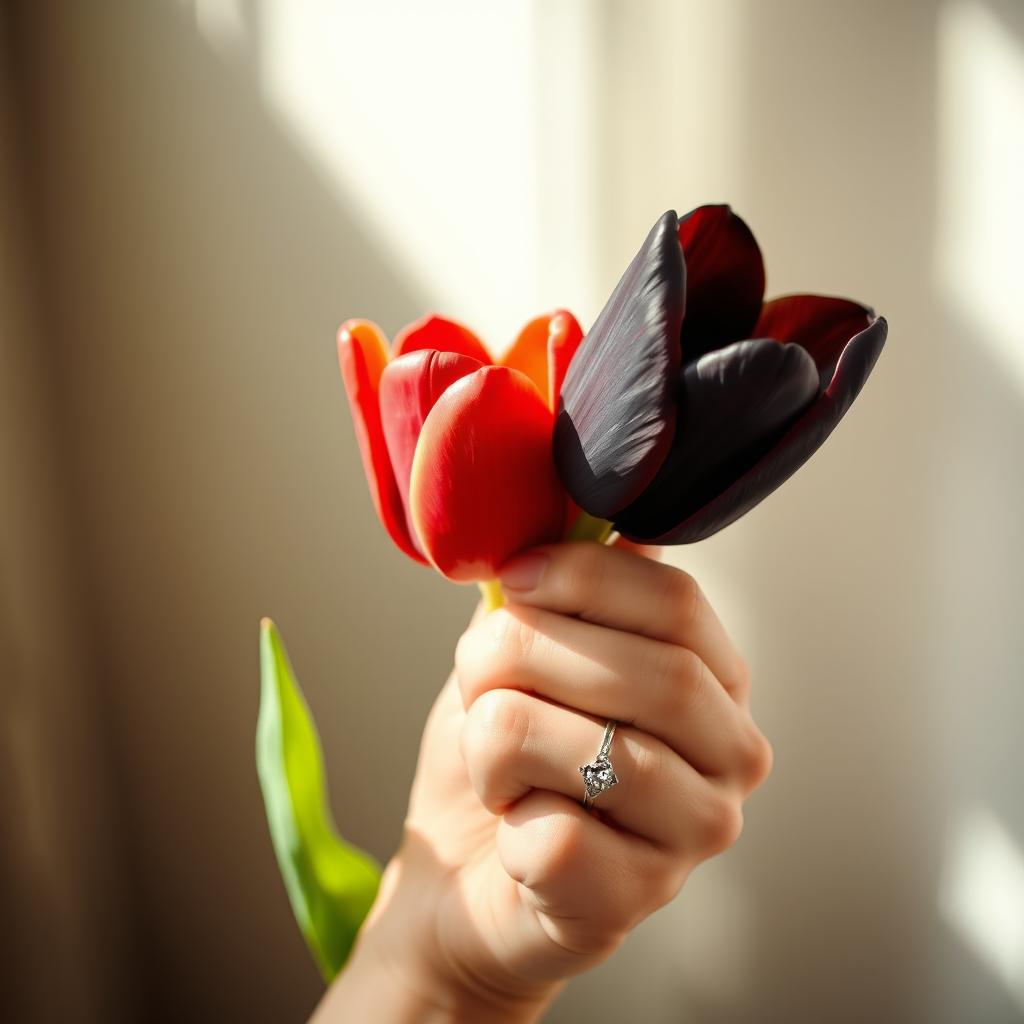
504	886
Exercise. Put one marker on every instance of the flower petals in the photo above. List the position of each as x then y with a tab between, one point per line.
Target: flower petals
724	280
362	355
734	403
617	413
564	337
483	485
529	352
409	388
543	350
819	323
438	333
793	449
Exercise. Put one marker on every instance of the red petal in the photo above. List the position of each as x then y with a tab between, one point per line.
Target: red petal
443	335
724	280
362	355
483	481
819	323
564	337
409	387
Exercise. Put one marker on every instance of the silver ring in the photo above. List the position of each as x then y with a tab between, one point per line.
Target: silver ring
599	775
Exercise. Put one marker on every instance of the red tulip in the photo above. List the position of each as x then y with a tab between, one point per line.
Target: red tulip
456	445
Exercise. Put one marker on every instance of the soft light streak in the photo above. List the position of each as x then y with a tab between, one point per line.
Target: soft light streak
981	895
981	213
431	121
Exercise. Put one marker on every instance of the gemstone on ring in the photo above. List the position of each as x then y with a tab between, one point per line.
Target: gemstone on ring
598	776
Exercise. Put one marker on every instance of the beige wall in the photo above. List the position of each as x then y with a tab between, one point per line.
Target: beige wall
61	903
199	252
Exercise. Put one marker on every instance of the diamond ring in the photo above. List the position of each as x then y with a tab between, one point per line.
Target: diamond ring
599	775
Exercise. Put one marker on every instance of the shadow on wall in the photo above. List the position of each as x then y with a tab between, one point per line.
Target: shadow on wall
197	268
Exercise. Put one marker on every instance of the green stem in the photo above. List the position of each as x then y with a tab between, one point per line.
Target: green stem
588	527
493	595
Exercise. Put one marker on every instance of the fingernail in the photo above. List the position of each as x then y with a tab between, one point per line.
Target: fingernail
524	572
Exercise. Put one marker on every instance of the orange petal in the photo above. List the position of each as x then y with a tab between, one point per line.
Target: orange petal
483	479
529	352
441	334
543	350
564	337
362	355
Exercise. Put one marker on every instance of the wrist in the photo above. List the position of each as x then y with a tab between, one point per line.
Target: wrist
399	971
386	985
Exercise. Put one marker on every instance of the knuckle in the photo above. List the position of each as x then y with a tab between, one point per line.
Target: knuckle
754	757
681	593
722	824
492	650
513	635
682	679
494	733
742	672
656	881
558	855
472	669
741	680
667	665
648	770
465	649
665	885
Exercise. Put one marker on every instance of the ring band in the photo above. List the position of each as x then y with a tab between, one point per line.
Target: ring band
599	775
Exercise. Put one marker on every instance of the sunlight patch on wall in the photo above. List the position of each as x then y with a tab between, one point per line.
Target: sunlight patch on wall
981	165
981	895
427	120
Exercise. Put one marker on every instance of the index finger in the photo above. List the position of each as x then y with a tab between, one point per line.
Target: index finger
625	591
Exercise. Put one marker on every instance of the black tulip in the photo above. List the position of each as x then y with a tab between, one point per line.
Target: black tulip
673	426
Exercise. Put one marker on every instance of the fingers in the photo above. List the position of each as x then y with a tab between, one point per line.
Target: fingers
513	743
652	551
662	689
594	633
624	591
589	883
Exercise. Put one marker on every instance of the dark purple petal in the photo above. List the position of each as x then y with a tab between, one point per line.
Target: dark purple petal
724	280
735	402
819	323
617	413
791	451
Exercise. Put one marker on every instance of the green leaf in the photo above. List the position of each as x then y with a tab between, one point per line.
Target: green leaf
331	884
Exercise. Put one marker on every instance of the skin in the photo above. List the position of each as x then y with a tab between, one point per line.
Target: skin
504	886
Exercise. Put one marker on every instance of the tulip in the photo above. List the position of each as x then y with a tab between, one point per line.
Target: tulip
690	400
456	445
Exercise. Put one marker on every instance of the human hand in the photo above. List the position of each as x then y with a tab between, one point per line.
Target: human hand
504	886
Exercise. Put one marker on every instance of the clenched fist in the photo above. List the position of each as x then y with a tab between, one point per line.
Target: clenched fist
504	885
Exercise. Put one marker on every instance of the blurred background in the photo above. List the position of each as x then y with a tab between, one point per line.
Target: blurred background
195	193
